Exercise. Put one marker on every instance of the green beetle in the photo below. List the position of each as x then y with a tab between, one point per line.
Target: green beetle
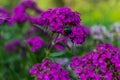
67	30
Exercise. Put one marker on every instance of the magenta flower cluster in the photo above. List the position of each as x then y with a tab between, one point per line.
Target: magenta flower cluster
13	45
49	71
66	22
35	43
20	11
78	34
103	63
58	18
5	16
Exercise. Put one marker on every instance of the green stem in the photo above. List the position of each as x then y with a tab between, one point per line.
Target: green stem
53	44
72	49
47	53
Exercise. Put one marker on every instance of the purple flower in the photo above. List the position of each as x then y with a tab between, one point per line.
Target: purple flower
35	43
49	71
5	17
118	76
86	29
78	34
60	43
58	18
66	22
103	63
59	46
13	45
20	12
28	4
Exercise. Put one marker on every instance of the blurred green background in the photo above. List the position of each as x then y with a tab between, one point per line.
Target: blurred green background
104	12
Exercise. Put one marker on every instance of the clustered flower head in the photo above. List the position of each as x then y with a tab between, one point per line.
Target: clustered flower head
49	71
28	3
35	43
57	19
13	45
99	32
66	22
78	34
5	16
115	31
20	12
103	63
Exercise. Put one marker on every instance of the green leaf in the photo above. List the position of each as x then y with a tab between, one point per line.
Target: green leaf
13	74
55	54
13	59
31	55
